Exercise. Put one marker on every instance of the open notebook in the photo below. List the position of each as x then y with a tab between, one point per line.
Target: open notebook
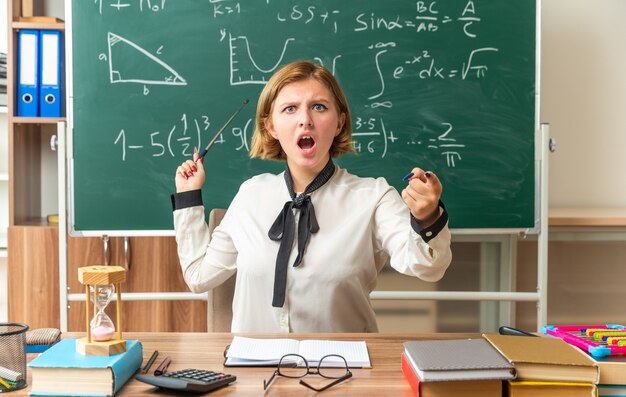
268	352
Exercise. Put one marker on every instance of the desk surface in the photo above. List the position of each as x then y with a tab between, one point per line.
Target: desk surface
205	351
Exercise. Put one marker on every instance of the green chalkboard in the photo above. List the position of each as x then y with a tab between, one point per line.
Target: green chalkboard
447	85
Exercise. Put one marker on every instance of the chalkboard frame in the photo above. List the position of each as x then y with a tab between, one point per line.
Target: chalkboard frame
100	232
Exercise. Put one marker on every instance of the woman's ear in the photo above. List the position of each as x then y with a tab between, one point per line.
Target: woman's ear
268	126
340	124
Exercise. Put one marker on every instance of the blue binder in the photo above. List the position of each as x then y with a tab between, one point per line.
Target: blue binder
50	61
28	74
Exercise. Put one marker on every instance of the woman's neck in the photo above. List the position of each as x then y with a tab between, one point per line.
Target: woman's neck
302	177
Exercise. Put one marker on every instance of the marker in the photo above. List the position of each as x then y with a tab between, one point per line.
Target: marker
206	149
504	330
410	175
150	361
162	368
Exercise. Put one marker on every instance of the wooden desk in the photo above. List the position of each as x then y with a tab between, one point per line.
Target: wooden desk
205	351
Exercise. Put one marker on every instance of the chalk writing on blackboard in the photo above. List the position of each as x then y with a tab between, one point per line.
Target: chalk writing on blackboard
443	84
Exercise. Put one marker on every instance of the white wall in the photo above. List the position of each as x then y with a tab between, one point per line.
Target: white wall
583	94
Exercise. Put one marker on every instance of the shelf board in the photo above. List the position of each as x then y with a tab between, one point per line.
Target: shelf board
38	25
4	109
587	217
36	222
37	120
4	176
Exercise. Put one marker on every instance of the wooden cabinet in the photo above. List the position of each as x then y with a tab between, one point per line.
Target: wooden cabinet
33	244
153	267
33	278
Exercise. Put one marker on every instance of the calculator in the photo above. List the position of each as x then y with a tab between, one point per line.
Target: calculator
189	380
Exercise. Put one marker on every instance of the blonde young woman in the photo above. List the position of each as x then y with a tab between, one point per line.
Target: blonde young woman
307	244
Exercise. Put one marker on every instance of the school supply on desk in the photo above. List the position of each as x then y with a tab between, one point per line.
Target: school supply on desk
61	370
474	388
545	359
162	368
597	340
50	62
268	352
41	339
12	356
504	330
153	357
549	389
457	359
189	380
28	73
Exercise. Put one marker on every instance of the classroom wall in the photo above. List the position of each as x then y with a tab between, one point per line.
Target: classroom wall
583	97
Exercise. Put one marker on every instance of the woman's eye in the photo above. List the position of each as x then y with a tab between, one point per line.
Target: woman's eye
289	109
319	107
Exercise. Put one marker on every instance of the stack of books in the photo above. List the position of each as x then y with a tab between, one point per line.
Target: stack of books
546	367
456	367
62	371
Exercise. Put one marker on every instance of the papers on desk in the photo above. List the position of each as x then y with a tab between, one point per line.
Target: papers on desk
268	352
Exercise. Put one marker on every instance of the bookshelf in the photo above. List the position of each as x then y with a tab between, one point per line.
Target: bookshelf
32	191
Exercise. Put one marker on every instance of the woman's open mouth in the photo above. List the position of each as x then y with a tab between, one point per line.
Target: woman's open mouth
306	143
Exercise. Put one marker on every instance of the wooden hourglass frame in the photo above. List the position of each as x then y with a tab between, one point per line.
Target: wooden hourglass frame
97	276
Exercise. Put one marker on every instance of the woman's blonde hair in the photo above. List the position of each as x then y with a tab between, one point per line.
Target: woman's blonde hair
264	145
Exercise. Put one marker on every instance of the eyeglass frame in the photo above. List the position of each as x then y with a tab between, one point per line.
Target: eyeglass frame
309	371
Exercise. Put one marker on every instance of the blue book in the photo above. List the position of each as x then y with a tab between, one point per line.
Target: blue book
62	371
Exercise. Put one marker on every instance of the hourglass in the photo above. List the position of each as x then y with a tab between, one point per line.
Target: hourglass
101	283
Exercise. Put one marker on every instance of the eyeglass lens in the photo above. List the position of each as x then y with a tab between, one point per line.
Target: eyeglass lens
288	366
333	366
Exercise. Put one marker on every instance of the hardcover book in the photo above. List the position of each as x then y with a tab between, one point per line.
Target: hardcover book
62	371
545	359
549	389
457	359
465	388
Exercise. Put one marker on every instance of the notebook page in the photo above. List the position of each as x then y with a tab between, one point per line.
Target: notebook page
355	352
261	349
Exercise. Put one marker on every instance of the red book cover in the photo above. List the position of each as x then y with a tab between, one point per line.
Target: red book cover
410	375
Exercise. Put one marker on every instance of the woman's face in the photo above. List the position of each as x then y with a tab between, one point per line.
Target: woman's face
305	120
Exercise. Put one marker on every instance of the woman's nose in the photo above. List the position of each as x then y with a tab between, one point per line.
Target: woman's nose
306	119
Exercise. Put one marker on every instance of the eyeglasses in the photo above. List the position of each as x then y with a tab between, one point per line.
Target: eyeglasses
332	366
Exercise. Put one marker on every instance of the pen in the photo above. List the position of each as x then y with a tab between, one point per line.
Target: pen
162	368
150	361
504	330
206	149
410	175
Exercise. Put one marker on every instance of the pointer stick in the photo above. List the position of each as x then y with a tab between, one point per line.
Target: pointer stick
206	149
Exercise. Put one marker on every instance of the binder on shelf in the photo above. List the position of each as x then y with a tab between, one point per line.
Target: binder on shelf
27	70
50	59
